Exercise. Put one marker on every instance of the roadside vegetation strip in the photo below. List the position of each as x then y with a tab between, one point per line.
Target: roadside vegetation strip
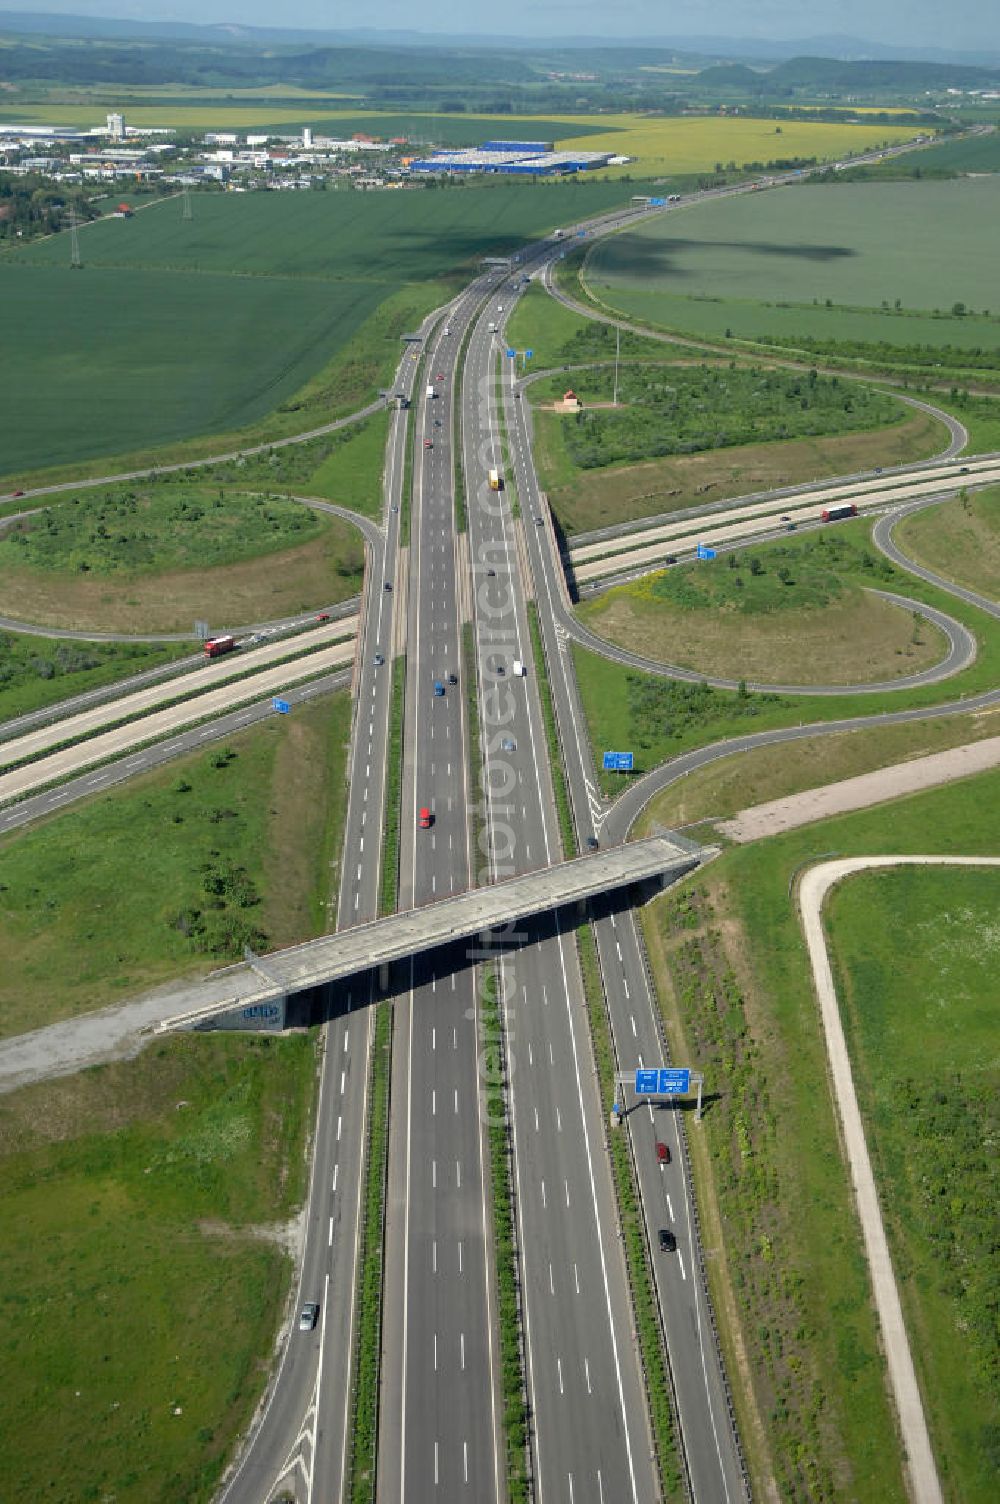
506	468
736	993
514	1397
228	846
724	788
239	690
36	673
652	1343
362	1469
149	1203
391	829
564	809
478	841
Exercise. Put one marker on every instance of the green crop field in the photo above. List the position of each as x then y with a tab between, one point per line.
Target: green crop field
734	981
973	154
176	328
823	262
917	954
146	1274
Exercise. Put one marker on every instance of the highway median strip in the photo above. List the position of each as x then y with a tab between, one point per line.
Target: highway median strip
389	888
649	1331
564	809
361	1475
505	1248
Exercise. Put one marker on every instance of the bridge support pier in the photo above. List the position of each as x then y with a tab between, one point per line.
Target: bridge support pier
383	977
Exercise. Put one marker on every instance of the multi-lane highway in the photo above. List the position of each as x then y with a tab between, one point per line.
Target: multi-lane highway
441	1421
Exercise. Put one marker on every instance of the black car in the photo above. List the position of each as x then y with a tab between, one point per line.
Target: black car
668	1243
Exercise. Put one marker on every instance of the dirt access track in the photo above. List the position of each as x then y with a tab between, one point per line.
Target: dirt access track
925	1486
866	789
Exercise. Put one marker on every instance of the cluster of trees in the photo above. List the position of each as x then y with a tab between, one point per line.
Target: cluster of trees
681	410
33	205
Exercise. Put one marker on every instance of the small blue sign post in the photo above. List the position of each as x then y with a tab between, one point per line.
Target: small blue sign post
704	552
281	706
528	354
657	203
618	762
511	354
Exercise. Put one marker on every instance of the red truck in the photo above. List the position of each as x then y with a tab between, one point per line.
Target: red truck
837	514
216	646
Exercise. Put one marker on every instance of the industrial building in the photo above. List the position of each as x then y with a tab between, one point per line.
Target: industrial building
530	158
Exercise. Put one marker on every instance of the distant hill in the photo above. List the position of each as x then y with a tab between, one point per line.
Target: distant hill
870	76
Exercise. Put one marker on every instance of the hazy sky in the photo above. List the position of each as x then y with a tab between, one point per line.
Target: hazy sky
953	26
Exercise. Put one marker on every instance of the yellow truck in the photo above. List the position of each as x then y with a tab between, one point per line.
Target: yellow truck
496	481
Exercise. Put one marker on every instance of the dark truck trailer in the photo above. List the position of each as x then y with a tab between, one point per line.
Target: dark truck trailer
836	514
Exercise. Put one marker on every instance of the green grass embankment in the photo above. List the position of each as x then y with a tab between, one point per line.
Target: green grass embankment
176	872
146	1204
737	999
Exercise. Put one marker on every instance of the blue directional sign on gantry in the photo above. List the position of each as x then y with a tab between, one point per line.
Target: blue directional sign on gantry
664	1082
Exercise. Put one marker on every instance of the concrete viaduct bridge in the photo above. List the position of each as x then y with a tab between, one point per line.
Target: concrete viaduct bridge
260	993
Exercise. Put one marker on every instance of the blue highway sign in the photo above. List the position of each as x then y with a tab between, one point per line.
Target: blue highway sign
657	203
664	1082
281	706
704	552
528	354
618	762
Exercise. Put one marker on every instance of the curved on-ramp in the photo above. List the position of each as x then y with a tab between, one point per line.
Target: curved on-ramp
814	886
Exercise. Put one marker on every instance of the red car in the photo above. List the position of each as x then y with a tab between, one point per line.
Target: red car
17	493
439	376
662	1153
426	819
323	616
428	444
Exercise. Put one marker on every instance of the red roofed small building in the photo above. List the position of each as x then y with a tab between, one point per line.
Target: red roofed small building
570	403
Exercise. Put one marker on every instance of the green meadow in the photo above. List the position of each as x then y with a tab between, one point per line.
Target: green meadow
174	328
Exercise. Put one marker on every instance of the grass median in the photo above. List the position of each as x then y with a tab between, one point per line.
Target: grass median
389	884
362	1469
564	809
512	1375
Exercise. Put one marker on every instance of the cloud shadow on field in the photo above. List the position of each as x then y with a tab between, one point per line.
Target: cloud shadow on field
637	256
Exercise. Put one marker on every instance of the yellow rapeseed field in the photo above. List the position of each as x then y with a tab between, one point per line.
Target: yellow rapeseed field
695	143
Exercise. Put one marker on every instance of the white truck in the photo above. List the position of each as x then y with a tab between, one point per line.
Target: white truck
431	393
518	669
